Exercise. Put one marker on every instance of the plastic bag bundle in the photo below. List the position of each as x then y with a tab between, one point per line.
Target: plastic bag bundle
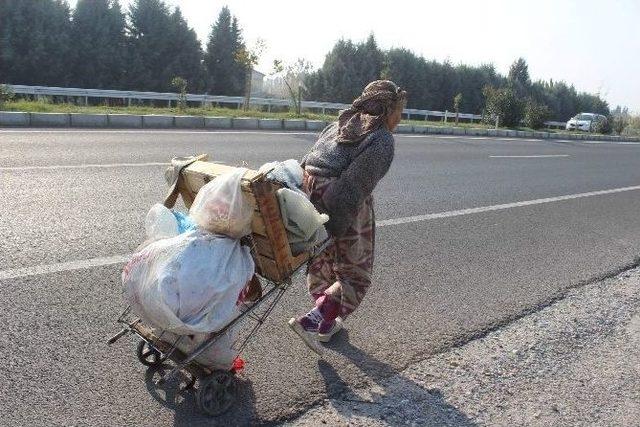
188	284
220	207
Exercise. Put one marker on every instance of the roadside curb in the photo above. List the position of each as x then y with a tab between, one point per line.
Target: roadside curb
152	121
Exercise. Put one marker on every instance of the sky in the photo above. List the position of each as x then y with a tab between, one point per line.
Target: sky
594	45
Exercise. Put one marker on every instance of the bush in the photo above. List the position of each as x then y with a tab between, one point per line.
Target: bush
619	123
602	126
535	114
502	103
180	85
6	94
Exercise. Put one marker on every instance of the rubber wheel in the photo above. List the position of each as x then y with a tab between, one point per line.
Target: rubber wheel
148	356
216	393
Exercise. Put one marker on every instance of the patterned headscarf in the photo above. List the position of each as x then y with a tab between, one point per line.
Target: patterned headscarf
369	111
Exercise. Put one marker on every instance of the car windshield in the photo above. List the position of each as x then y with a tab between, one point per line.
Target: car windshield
584	117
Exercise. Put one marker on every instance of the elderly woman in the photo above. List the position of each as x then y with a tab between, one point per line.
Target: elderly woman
341	171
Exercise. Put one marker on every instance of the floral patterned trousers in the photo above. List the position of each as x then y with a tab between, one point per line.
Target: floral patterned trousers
343	270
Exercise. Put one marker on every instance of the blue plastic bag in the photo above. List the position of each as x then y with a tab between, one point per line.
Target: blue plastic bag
184	222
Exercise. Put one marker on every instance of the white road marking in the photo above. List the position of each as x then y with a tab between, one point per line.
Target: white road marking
119	259
84	166
16	273
610	142
530	157
417	218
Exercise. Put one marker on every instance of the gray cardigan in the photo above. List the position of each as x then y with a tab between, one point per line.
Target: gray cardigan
357	166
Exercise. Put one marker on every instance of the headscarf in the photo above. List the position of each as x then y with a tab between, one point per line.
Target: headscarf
369	111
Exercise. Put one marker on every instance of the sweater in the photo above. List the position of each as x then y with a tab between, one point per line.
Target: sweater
356	167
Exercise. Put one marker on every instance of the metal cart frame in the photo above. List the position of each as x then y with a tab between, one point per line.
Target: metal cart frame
275	265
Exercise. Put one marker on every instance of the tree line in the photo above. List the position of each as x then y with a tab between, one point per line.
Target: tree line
98	45
433	85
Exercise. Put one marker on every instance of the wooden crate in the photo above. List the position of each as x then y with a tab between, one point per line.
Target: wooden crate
272	254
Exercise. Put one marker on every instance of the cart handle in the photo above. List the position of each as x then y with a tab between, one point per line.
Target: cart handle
119	335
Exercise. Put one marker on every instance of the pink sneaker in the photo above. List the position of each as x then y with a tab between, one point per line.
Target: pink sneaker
306	327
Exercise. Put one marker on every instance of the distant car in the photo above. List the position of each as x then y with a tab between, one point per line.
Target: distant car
585	121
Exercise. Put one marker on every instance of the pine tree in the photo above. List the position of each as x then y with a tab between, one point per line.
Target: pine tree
149	21
518	77
225	75
369	61
340	74
34	42
186	53
98	49
162	46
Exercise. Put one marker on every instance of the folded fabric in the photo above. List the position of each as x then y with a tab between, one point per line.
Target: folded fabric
300	217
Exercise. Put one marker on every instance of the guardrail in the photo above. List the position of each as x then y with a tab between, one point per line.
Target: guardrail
238	101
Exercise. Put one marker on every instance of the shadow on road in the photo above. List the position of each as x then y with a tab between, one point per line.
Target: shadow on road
397	400
183	403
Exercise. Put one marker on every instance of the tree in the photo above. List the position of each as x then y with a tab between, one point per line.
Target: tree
291	78
180	85
339	75
99	43
34	42
162	46
503	105
518	78
535	114
225	75
369	61
519	72
149	21
186	52
6	94
411	73
249	58
457	100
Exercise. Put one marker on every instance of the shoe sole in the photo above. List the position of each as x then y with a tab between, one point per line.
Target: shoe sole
311	341
325	338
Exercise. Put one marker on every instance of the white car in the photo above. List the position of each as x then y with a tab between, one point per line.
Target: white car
584	121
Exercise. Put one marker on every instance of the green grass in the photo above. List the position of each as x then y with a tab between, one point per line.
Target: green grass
46	107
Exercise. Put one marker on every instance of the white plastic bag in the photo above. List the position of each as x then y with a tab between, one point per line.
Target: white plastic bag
188	284
301	219
220	207
220	355
160	223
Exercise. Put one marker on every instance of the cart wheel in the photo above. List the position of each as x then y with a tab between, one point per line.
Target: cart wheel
148	356
216	393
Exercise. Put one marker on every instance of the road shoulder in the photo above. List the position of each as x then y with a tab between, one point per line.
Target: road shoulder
575	362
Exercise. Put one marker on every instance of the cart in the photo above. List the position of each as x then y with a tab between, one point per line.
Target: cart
275	266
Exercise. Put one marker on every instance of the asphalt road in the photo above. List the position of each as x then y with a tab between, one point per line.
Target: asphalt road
438	282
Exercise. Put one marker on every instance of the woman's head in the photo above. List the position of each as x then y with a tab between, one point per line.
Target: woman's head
380	104
385	98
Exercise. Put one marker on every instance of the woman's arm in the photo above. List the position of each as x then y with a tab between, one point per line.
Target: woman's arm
344	197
